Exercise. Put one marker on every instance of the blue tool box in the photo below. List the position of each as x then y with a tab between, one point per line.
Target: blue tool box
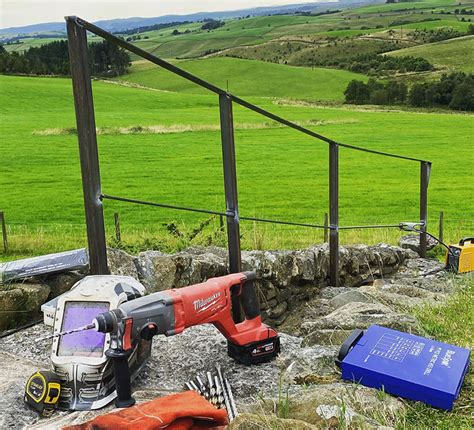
404	365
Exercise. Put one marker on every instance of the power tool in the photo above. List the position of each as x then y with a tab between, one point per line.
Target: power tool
460	258
170	312
103	329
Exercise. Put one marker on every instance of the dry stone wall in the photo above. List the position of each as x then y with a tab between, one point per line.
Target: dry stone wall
285	278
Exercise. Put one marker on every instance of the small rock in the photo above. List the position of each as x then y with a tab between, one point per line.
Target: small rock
121	263
351	296
20	302
278	310
412	241
62	282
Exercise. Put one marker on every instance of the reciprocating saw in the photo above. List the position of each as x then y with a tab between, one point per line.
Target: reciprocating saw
170	312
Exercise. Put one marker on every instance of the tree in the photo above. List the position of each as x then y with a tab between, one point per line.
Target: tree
463	96
357	92
417	95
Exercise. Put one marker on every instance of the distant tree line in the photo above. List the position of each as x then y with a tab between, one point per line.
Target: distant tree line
376	63
106	59
437	35
153	27
454	91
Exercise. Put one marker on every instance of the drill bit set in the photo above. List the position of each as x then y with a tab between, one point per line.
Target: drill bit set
217	390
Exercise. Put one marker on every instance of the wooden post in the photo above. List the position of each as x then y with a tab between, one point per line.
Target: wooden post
4	232
88	151
231	195
221	222
118	236
326	227
334	214
441	226
425	168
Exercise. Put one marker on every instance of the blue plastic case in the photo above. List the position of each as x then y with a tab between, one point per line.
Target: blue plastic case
405	365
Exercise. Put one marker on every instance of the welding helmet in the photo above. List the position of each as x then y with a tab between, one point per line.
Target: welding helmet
78	359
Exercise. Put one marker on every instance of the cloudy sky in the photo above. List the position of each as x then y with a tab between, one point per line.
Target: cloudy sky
15	13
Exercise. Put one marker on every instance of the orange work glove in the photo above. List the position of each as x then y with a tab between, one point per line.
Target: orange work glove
181	411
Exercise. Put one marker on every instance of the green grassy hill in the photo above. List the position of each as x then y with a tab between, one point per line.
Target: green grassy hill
454	53
249	78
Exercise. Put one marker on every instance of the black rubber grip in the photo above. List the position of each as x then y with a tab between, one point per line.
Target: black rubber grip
348	345
248	297
122	377
466	239
105	322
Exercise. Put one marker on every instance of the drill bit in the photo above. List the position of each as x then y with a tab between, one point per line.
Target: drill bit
219	395
233	407
74	330
224	393
202	388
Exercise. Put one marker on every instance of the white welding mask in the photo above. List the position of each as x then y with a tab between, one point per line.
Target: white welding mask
86	374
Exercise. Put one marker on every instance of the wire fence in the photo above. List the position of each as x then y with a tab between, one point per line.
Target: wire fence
94	197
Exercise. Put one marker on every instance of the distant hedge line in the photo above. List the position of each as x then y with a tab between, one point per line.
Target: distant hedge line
106	59
376	63
455	91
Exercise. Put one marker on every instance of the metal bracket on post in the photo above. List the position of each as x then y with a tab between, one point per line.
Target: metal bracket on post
88	151
231	196
334	215
425	169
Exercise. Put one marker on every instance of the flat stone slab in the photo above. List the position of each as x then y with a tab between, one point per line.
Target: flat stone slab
174	361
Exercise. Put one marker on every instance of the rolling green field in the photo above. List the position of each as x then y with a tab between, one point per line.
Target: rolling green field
247	78
282	174
453	53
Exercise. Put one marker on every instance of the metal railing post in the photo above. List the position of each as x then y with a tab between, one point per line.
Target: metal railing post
231	196
334	215
88	151
425	168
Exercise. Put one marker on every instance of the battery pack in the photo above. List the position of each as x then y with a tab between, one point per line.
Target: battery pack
404	365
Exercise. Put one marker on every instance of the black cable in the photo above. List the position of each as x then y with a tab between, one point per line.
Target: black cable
162	205
17	329
356	227
206	211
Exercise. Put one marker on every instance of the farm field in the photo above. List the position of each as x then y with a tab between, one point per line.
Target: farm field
453	53
282	174
247	78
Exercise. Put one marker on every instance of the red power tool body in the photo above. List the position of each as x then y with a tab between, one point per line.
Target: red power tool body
170	312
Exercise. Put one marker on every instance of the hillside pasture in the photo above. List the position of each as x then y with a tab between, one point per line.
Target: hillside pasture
249	78
455	53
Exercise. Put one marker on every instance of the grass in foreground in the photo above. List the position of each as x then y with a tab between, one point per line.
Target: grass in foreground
451	322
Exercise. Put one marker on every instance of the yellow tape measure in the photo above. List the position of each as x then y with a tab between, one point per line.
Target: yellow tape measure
42	392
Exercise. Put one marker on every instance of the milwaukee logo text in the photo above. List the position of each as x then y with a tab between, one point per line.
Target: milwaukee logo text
203	304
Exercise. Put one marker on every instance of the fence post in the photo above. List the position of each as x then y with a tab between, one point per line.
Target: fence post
425	168
118	235
441	226
231	196
326	227
4	232
334	214
83	101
